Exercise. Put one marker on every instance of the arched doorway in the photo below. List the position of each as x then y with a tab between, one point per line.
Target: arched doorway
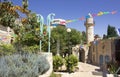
82	55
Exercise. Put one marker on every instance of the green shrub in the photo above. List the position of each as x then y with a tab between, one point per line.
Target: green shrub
25	65
112	67
33	49
71	62
57	62
6	49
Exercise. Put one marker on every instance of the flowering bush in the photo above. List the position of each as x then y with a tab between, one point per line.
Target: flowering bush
25	65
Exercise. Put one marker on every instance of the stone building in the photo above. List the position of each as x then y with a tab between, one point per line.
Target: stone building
82	51
104	51
97	51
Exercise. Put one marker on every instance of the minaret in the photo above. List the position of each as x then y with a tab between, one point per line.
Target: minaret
89	23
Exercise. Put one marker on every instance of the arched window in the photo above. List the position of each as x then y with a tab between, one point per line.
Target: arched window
101	59
107	59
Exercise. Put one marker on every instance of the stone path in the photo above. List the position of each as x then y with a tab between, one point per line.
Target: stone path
85	70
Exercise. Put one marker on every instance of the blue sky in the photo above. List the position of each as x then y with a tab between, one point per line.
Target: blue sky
73	9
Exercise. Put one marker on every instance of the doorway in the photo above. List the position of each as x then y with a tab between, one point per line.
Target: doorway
82	55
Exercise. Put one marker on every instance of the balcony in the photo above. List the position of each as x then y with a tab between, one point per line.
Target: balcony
89	24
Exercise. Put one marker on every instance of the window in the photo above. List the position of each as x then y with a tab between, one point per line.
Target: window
107	59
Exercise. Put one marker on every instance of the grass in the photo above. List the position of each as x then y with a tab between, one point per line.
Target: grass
55	75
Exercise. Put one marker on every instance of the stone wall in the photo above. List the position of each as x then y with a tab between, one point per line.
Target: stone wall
101	51
50	60
81	52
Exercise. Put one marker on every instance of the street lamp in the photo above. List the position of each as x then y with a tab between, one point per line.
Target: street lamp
68	30
50	18
40	19
69	51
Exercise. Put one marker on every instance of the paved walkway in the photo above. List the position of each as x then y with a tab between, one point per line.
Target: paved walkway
85	70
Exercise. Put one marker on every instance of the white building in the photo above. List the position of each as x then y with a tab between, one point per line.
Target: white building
5	34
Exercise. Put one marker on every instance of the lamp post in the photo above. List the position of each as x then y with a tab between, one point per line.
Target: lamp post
40	19
50	18
69	51
68	30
